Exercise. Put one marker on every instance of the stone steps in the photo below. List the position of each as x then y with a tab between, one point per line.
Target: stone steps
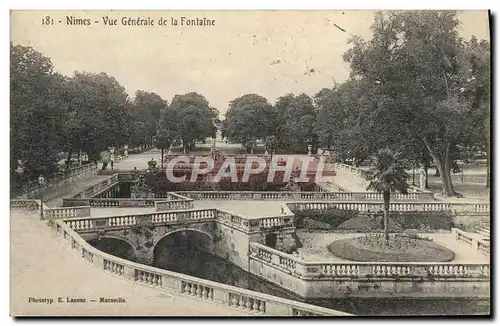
484	232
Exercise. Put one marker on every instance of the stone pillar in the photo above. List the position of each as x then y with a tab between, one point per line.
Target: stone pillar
125	150
145	256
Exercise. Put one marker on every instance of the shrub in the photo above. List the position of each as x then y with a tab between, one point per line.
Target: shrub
398	220
332	216
423	220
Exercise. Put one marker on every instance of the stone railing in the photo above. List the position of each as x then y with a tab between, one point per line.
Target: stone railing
482	246
109	202
60	180
460	208
120	221
93	190
66	212
174	205
27	204
253	303
251	225
233	220
310	270
291	195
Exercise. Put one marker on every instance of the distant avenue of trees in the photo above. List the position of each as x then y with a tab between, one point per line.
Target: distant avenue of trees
90	112
416	87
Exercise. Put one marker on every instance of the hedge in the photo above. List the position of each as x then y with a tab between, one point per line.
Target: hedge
442	220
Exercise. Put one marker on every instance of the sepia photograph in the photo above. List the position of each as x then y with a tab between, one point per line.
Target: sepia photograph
272	163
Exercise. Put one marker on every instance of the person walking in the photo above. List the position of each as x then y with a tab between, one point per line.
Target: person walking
112	160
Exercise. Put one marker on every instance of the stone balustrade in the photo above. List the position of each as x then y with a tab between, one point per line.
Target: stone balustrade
120	221
59	181
109	202
254	303
291	195
308	270
236	221
174	204
460	208
97	188
483	246
27	204
66	212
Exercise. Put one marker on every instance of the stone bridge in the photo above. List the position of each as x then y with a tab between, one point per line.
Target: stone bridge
216	231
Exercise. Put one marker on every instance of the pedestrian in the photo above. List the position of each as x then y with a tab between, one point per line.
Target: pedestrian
282	211
112	160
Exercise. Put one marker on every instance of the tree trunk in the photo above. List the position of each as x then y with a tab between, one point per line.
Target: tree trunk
68	159
387	198
162	157
426	169
443	166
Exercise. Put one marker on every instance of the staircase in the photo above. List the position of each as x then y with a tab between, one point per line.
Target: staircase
484	231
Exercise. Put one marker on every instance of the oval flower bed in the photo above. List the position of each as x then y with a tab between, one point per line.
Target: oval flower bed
399	248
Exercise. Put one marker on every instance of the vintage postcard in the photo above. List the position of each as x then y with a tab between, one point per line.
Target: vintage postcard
250	163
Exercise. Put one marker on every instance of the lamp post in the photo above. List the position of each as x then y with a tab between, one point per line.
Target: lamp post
41	182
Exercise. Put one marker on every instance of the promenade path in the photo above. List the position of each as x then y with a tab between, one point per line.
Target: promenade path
44	267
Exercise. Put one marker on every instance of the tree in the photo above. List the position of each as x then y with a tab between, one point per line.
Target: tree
100	105
166	130
387	175
413	67
295	123
476	90
147	111
249	118
196	119
37	112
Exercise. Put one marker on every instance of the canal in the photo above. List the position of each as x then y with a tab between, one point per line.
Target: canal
174	254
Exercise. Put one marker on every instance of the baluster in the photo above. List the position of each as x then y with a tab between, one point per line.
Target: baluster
204	293
234	300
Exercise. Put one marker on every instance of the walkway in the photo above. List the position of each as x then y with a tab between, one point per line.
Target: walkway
44	267
248	208
139	160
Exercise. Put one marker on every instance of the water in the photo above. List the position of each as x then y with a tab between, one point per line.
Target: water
200	264
186	259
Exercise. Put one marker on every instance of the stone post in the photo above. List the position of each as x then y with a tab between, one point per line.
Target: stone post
145	256
125	150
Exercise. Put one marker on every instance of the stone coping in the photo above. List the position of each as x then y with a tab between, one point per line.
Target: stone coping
317	270
255	303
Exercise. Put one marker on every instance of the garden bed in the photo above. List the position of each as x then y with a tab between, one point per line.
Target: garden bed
399	248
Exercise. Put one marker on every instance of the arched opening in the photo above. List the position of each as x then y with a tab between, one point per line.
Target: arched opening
115	247
271	240
184	251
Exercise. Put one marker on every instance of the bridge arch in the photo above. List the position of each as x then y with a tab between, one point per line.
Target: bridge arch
183	230
114	245
114	237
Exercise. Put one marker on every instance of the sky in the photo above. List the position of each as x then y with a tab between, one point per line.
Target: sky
270	53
